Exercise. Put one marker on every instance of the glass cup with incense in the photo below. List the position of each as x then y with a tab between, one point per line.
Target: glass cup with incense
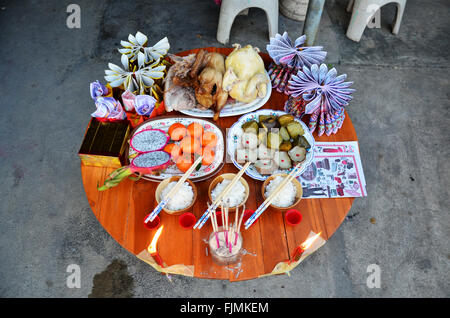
225	242
220	252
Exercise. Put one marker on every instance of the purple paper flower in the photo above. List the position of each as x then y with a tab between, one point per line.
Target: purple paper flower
108	107
98	89
144	104
282	51
321	88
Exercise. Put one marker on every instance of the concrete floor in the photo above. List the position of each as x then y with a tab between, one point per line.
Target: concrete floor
400	111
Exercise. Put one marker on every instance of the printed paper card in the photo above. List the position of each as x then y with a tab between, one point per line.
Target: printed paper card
335	172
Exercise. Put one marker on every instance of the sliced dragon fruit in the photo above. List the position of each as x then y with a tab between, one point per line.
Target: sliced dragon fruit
149	140
144	163
148	162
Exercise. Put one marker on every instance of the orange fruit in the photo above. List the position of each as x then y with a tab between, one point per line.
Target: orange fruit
177	131
199	151
168	148
174	150
208	156
190	144
195	130
184	162
209	139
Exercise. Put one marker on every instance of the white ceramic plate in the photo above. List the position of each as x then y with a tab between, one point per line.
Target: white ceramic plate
234	137
204	172
233	109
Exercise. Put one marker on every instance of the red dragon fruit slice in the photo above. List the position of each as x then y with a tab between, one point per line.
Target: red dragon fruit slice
144	163
148	162
149	140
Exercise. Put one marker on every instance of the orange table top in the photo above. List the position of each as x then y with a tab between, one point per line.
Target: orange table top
269	244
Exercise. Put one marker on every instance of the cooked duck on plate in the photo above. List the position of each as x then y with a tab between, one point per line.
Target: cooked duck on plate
209	84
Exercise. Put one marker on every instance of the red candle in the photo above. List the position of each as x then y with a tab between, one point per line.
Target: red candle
152	247
157	258
298	252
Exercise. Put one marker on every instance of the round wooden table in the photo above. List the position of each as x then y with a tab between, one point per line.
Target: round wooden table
270	244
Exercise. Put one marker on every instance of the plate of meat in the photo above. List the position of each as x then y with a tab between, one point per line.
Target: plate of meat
210	84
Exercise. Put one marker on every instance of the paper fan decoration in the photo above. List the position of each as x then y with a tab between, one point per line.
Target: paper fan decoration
282	51
136	48
136	79
289	58
324	94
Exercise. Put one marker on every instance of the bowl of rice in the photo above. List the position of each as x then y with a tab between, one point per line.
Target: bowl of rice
237	196
286	199
184	198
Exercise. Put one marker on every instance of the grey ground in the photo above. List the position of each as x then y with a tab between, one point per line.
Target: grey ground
400	111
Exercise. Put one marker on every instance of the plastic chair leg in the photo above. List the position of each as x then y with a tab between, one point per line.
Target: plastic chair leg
350	6
226	19
399	16
231	8
272	19
358	22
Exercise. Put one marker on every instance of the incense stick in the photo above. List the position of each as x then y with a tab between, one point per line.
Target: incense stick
226	225
238	226
223	215
212	219
172	191
236	217
240	221
215	227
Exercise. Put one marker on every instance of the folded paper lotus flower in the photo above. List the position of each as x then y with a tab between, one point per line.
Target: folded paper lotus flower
141	65
289	58
325	94
97	89
134	78
144	104
128	100
284	52
108	108
136	48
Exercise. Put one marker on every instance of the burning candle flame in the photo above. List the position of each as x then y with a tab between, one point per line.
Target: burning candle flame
306	244
152	246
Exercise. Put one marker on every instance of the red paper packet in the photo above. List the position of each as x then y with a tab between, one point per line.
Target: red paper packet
159	109
135	119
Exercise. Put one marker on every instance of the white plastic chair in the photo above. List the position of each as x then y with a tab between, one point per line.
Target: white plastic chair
231	8
363	12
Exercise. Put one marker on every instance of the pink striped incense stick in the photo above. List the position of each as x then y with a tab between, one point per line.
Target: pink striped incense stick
226	226
214	225
238	226
235	223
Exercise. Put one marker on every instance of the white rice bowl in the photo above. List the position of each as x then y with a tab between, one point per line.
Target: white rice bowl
235	196
182	199
286	197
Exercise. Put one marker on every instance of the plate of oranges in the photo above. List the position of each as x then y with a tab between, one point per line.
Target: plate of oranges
188	139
